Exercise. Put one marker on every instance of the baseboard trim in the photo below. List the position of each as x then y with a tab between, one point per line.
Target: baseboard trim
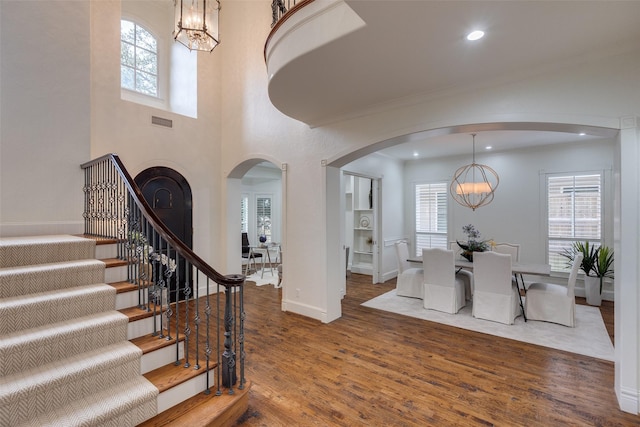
628	400
305	310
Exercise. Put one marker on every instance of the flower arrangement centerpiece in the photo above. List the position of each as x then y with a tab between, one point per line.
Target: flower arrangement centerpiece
473	243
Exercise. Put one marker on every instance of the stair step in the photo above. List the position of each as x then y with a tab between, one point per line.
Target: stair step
124	286
177	383
172	375
158	351
43	388
109	407
106	247
24	280
205	410
32	250
114	262
36	310
150	342
37	346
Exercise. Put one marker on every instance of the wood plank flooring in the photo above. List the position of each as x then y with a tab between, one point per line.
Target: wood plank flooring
373	368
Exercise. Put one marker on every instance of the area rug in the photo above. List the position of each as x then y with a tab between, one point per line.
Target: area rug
267	278
589	337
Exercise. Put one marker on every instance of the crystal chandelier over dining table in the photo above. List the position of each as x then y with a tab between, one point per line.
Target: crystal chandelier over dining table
474	185
196	24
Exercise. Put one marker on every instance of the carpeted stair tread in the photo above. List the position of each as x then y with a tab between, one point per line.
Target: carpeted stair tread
33	347
28	279
126	404
44	388
44	308
31	250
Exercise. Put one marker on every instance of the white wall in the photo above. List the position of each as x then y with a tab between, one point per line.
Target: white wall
191	146
45	116
517	213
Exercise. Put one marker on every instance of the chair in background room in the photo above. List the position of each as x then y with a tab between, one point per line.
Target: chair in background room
279	267
248	254
495	296
443	291
410	280
465	275
512	249
554	303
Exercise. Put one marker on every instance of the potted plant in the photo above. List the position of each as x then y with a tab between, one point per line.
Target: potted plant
603	267
473	243
597	263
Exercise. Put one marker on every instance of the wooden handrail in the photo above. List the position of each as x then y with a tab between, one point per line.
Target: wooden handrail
230	280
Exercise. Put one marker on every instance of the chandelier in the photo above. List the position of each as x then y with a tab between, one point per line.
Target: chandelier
196	23
474	185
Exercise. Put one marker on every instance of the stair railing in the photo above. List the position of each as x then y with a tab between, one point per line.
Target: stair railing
173	283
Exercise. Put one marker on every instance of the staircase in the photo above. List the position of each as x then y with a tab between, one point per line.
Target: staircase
78	348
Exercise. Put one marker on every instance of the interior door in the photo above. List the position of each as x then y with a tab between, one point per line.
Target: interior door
169	195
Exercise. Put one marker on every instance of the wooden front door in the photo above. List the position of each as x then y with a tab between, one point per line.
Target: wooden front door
169	195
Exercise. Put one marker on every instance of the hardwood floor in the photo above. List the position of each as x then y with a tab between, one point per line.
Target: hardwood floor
373	368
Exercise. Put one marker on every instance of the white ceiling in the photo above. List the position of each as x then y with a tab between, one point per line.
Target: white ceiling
497	140
418	48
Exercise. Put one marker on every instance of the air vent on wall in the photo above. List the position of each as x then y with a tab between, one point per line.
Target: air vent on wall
161	122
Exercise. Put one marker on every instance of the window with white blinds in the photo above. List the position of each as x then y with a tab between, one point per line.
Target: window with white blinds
574	210
244	214
431	216
263	216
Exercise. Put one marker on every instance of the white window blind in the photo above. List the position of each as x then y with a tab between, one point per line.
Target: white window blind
574	214
431	216
263	215
244	214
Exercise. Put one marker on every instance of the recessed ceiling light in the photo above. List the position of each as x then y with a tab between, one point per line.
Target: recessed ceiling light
582	134
488	147
475	35
415	154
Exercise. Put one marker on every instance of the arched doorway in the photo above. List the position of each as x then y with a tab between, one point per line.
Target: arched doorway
256	206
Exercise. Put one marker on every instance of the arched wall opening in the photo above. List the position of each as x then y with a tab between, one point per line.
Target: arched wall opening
255	200
626	152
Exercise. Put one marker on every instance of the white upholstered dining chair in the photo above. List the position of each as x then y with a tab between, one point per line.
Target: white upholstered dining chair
443	291
512	249
465	275
495	296
410	279
554	303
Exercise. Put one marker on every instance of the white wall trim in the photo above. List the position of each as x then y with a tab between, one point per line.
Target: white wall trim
628	399
305	310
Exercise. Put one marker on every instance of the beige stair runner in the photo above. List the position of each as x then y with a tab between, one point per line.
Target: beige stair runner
66	360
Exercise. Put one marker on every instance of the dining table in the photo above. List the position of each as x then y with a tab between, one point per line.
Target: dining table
517	268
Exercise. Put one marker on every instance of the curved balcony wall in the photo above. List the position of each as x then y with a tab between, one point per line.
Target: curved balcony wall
288	52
